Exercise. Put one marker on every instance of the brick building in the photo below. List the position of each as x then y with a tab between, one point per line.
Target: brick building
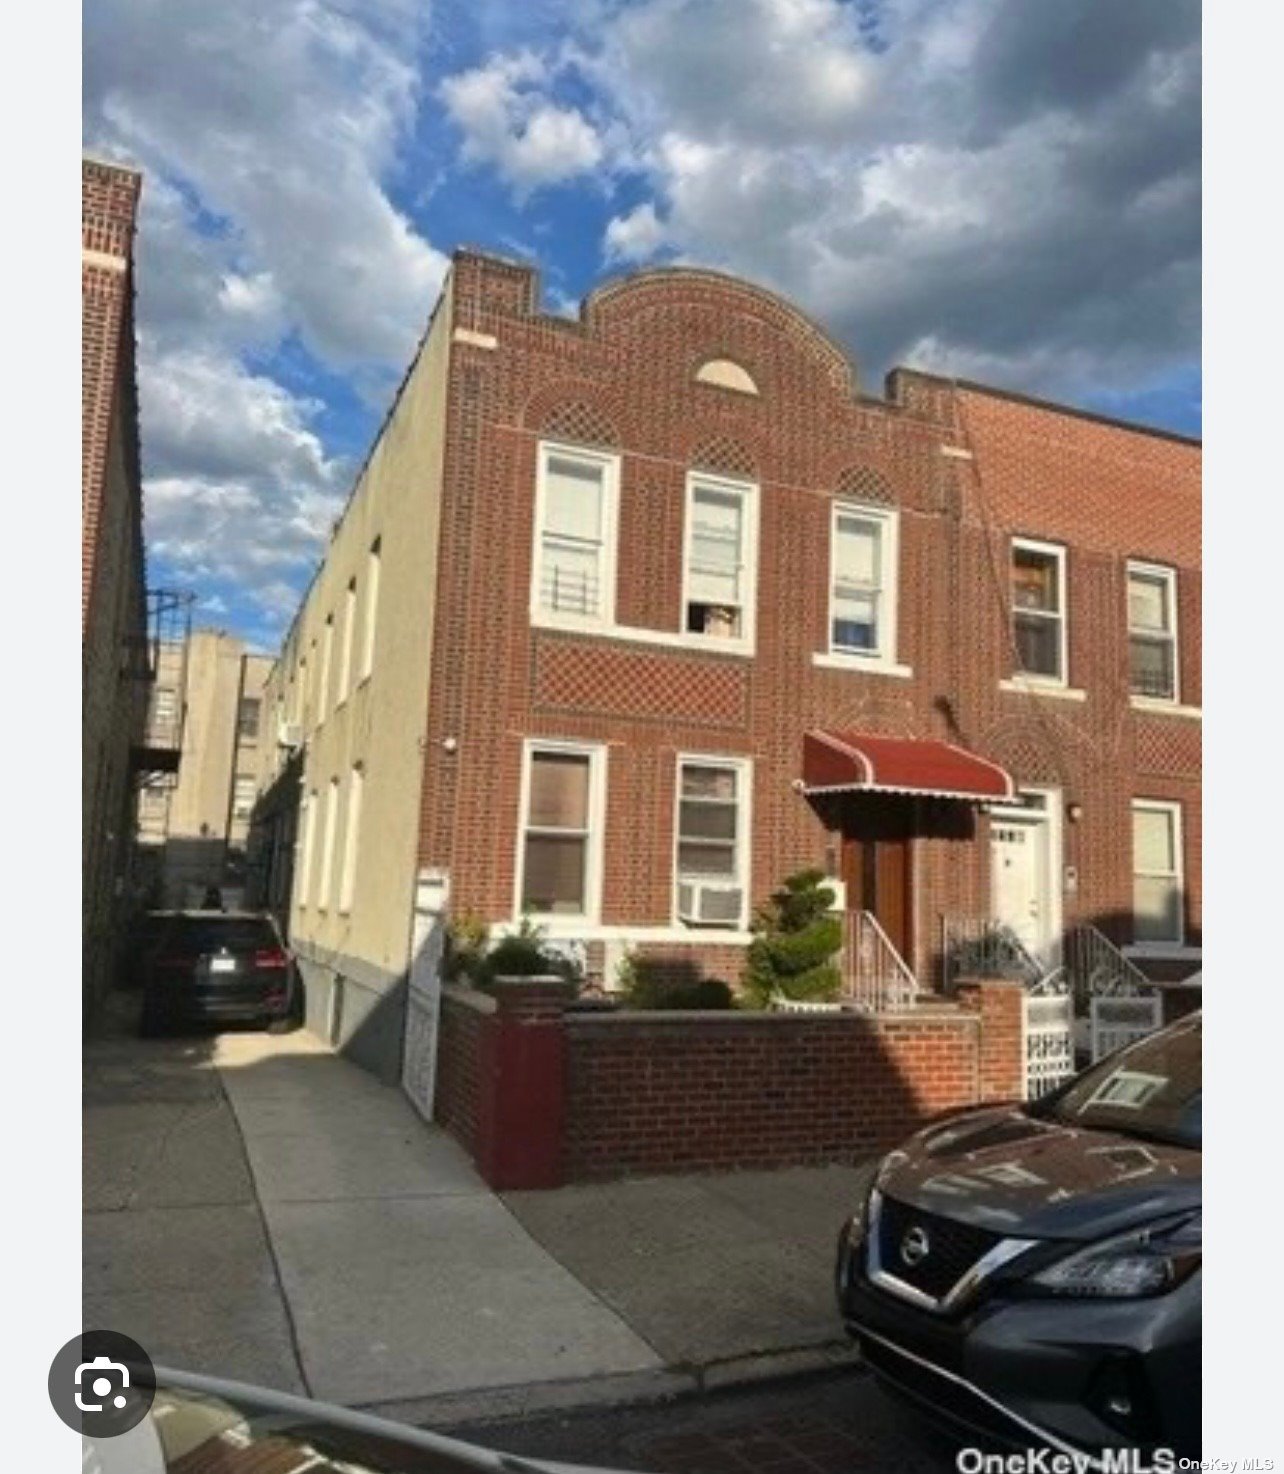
630	617
113	603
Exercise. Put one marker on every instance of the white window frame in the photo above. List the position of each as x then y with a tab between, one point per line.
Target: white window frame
351	838
595	847
240	782
743	768
308	856
609	463
1058	552
1168	576
370	626
327	668
889	557
345	647
327	844
1178	875
748	492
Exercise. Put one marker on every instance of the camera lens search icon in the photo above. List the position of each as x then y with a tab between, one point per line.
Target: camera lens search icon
101	1375
101	1383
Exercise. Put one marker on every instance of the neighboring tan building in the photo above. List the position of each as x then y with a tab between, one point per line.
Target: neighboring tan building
630	617
192	830
113	604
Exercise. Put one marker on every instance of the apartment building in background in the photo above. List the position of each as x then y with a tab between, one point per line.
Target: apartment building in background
193	826
115	668
629	617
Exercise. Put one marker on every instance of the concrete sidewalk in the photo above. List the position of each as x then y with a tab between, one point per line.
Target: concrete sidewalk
258	1208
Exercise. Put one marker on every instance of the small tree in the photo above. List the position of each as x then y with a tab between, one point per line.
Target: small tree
796	939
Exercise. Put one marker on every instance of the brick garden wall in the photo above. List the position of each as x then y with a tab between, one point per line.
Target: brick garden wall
464	1017
614	1094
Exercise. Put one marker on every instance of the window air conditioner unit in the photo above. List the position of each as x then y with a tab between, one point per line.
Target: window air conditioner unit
290	734
709	903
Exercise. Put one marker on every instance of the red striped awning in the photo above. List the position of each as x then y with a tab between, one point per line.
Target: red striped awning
855	762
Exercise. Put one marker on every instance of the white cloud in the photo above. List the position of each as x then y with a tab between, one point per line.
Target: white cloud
508	120
281	117
635	236
243	492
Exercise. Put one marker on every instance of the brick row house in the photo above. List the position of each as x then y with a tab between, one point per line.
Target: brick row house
113	601
631	616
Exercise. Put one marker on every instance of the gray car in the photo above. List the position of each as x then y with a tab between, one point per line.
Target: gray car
1031	1274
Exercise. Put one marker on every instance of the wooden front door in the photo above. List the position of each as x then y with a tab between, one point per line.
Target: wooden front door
878	868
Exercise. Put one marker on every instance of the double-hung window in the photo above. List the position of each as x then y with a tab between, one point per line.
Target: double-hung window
561	843
1152	631
712	841
1039	610
1157	881
574	572
721	557
862	601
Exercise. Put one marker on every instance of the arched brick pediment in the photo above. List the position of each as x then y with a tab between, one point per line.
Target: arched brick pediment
685	290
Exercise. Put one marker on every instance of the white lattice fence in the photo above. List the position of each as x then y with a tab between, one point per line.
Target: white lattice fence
1116	1021
1049	1041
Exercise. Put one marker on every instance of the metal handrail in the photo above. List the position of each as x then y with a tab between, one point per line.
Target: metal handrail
1096	967
996	949
876	977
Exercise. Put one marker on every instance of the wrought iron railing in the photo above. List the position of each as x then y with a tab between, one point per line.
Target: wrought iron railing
876	978
1097	968
973	946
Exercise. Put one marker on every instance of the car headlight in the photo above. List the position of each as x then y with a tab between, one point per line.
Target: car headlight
1148	1261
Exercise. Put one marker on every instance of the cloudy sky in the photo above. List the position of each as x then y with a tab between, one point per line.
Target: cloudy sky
1003	189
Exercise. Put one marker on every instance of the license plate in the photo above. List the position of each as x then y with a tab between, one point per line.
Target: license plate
222	964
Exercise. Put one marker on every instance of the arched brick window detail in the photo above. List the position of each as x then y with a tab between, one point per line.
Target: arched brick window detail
581	423
724	454
864	484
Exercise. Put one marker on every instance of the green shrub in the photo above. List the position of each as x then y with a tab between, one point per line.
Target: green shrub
525	953
650	988
796	939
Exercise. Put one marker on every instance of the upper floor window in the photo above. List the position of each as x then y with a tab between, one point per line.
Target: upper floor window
244	791
862	605
574	573
371	616
1157	872
349	629
1152	631
721	555
247	718
1039	609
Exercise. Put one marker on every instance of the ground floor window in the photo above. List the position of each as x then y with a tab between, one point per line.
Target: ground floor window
712	841
561	831
1157	872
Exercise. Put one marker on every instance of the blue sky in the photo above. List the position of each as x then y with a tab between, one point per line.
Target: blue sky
1001	189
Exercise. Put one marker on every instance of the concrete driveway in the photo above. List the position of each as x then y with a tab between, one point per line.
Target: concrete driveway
260	1209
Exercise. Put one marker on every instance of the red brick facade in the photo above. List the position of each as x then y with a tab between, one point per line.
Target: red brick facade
113	597
966	468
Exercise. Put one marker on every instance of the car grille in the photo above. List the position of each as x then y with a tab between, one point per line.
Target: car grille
953	1247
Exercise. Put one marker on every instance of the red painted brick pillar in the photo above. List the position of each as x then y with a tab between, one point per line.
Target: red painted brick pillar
521	1111
1001	1051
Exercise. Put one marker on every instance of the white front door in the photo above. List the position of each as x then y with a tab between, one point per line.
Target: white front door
1020	893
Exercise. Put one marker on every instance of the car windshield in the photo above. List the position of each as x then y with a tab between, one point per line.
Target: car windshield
1152	1089
193	935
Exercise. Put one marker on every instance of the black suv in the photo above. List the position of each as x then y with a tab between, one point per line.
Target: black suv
220	967
1032	1274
